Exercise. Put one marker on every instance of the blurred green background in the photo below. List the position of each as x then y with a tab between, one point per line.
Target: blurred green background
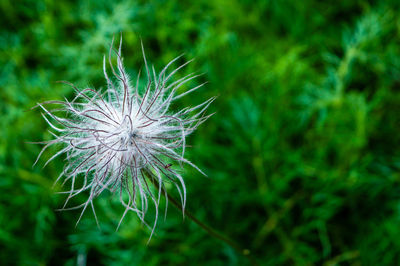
302	154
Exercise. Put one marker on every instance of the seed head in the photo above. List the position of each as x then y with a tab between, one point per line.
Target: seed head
113	139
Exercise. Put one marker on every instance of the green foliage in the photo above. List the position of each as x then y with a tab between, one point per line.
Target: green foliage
303	153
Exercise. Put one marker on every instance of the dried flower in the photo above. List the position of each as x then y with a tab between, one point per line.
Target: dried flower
113	138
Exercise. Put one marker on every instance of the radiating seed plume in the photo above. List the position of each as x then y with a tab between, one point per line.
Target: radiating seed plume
111	139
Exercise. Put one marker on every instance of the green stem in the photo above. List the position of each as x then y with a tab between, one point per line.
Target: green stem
212	232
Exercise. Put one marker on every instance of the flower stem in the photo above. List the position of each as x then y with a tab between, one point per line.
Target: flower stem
212	232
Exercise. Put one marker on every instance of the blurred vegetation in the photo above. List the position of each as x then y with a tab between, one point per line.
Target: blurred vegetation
303	154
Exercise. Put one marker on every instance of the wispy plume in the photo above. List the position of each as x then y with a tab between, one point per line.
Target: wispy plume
120	138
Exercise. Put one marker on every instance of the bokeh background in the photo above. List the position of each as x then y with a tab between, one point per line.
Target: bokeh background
302	154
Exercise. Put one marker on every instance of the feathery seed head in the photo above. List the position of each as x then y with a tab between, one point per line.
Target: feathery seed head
114	139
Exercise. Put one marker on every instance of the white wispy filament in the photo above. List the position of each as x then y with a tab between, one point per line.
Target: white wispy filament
111	139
